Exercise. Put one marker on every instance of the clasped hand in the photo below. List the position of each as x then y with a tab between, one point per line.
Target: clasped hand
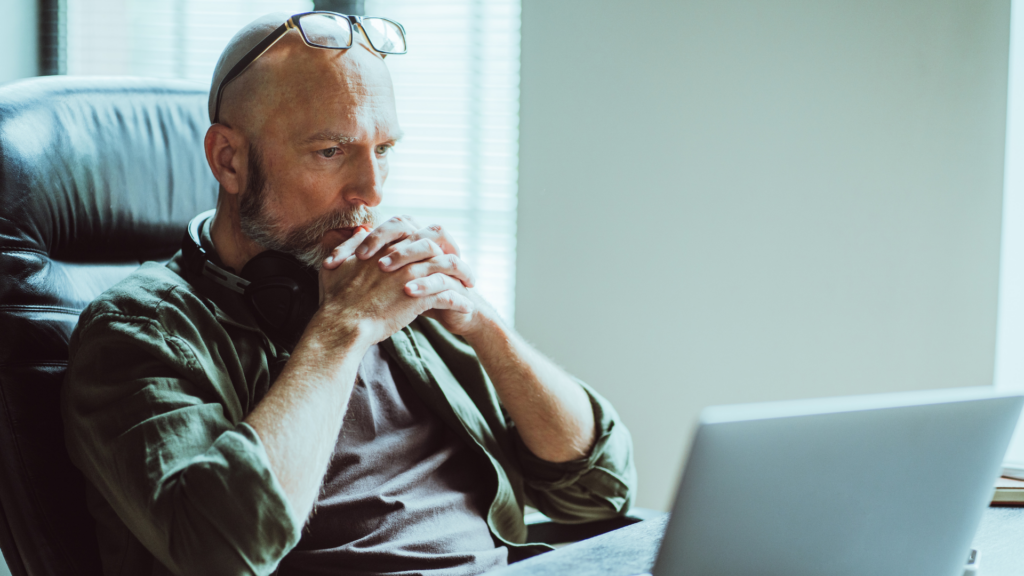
381	280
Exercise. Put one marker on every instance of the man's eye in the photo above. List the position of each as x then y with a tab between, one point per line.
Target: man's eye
328	152
383	149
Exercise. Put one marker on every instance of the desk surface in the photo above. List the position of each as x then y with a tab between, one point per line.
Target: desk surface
631	550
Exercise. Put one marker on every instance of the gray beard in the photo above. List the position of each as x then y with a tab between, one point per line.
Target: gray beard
303	241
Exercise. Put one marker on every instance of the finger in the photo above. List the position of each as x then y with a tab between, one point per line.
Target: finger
448	264
345	249
394	229
430	285
450	300
440	236
406	252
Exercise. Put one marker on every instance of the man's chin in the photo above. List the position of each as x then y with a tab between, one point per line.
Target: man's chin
313	257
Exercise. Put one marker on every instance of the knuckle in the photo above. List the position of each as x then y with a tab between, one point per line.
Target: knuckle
447	264
405	220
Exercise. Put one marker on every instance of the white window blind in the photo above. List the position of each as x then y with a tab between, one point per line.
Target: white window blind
457	91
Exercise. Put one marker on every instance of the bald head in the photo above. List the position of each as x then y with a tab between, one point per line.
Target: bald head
293	75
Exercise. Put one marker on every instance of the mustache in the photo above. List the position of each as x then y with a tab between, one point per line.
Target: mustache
312	233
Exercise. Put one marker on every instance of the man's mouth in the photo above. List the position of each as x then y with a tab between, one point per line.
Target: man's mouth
342	233
348	232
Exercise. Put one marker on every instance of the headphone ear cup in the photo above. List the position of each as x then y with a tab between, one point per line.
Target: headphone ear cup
273	300
283	295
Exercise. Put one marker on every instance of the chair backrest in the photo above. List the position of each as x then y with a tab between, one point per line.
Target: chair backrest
96	176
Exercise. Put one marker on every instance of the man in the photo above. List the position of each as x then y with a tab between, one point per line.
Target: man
405	429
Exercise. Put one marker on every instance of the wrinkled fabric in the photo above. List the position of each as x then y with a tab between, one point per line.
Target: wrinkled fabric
161	376
401	495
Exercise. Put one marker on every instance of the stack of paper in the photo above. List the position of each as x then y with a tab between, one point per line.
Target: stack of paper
1010	490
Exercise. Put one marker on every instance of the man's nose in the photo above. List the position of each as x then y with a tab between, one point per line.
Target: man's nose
365	179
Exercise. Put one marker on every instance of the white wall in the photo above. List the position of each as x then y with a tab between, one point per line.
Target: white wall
18	42
726	201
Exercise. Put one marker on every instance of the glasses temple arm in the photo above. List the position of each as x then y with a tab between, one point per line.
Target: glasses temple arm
247	60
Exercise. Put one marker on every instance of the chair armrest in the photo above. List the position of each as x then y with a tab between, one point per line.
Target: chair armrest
540	528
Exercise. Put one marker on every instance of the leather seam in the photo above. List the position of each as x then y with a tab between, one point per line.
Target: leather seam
25	251
39	308
22	364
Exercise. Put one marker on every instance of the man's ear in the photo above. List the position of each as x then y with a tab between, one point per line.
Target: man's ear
226	157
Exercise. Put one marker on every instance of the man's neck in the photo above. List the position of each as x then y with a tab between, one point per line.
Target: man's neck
233	247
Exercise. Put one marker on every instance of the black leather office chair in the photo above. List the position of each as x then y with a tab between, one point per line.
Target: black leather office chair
96	176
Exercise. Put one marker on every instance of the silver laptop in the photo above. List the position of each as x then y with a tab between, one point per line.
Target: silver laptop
879	484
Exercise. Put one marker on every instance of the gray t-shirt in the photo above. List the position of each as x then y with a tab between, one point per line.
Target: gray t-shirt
403	493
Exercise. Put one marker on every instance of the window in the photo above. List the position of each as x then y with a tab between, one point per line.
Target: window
457	92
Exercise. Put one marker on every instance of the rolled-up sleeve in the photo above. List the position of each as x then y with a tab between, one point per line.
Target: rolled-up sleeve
191	483
601	485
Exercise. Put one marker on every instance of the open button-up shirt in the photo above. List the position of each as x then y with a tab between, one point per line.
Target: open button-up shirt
165	366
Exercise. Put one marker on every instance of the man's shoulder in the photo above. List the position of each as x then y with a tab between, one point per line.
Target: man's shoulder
149	294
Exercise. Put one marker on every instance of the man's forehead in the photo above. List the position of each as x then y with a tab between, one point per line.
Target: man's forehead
336	97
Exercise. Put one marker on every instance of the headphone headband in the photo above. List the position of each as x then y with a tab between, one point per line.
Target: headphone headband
199	262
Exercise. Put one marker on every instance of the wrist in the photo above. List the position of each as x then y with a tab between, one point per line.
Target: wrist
337	334
486	324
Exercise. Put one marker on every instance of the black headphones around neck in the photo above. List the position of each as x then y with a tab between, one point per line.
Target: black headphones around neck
281	292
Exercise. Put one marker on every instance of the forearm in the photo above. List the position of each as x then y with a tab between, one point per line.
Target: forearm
551	411
300	418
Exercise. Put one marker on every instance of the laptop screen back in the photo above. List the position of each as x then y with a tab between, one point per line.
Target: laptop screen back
881	484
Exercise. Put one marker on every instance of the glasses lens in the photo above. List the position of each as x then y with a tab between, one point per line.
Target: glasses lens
326	30
384	35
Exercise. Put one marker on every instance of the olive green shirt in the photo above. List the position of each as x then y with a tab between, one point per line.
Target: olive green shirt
161	376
